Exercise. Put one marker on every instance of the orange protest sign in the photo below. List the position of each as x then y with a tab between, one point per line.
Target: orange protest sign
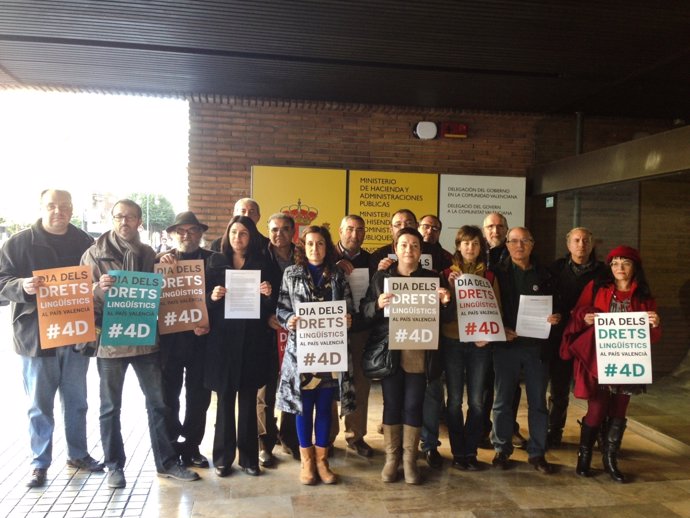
183	298
65	306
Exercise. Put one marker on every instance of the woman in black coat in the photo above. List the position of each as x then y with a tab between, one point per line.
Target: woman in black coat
237	351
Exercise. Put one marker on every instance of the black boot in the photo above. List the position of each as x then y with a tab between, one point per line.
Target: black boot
588	435
614	437
601	436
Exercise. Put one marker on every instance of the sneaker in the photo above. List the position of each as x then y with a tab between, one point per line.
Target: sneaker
519	441
116	478
179	472
88	463
37	478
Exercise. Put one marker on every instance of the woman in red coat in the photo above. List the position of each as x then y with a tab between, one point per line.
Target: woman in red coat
622	288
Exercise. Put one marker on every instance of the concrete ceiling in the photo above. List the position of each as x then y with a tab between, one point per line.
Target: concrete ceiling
619	58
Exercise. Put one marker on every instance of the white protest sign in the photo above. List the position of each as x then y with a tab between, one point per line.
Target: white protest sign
624	354
479	317
413	313
321	336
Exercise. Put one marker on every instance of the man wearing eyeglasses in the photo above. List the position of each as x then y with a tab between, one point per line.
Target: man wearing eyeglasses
430	228
380	258
495	228
182	354
245	207
519	275
51	242
121	249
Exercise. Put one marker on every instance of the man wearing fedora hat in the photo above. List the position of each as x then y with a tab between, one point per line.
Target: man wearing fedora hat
182	353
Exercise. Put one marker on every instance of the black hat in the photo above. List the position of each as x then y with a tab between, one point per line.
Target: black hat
186	218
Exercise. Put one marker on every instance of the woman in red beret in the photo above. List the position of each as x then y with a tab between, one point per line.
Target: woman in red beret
621	288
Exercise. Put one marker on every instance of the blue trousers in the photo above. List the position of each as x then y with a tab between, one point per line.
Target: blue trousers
43	377
321	400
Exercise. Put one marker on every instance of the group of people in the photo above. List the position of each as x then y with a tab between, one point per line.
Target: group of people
238	359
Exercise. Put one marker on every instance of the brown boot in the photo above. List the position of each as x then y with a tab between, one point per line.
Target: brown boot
325	473
410	443
307	475
392	441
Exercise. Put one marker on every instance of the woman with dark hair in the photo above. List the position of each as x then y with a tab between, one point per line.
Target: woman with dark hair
313	278
404	373
466	364
622	287
237	351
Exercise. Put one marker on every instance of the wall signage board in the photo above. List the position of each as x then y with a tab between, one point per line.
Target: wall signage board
465	200
310	196
376	195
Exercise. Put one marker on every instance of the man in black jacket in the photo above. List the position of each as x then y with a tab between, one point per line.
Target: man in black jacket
182	354
51	242
571	273
519	275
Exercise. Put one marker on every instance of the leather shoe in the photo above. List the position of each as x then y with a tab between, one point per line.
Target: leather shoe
501	461
196	459
266	458
88	463
459	463
222	471
540	464
519	441
37	478
433	458
254	471
472	464
361	448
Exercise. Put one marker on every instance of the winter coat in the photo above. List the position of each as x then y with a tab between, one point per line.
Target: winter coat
579	341
294	289
373	315
237	350
107	254
23	253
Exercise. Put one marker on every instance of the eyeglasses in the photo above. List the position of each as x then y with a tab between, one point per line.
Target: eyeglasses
426	226
524	242
120	217
191	231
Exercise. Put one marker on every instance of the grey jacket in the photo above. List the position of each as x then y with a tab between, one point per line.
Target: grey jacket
294	289
102	258
23	253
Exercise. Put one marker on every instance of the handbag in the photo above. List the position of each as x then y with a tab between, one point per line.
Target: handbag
378	361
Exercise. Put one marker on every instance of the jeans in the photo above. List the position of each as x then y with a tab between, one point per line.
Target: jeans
509	360
431	414
43	377
148	370
465	364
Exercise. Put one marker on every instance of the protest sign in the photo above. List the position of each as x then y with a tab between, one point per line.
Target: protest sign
130	310
183	296
65	306
321	336
413	313
624	354
479	316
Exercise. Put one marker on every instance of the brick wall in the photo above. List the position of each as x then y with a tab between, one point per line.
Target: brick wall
227	138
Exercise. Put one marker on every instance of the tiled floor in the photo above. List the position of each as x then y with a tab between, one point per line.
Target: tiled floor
660	485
